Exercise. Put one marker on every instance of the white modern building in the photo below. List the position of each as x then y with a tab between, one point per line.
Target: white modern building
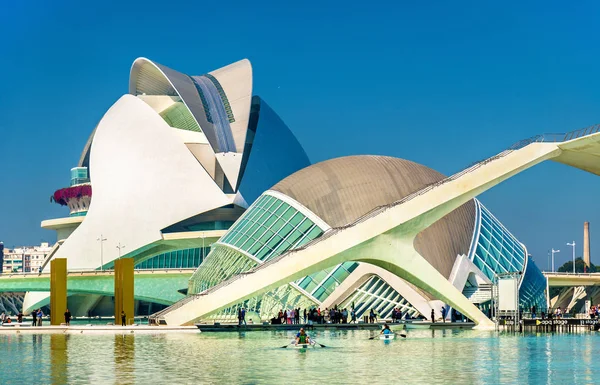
324	222
167	170
468	247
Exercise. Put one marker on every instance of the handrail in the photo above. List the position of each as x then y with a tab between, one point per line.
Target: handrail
95	271
561	137
570	273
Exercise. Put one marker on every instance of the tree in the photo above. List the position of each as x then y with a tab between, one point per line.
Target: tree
567	267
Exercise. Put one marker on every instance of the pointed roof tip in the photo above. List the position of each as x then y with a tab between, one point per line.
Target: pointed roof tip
241	62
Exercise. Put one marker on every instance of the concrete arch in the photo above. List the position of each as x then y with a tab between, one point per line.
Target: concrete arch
385	237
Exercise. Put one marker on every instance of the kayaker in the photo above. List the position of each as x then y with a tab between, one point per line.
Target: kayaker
302	338
386	330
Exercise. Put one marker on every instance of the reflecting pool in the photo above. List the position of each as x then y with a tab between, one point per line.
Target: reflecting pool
426	356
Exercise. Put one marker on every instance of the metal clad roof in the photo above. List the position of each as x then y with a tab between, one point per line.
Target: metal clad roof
341	190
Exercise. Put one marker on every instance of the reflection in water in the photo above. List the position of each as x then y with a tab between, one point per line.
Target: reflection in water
426	356
124	358
58	358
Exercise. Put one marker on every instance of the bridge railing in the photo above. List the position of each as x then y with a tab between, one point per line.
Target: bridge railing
96	271
570	274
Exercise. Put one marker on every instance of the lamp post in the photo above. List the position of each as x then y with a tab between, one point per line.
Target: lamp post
120	247
101	239
573	244
554	252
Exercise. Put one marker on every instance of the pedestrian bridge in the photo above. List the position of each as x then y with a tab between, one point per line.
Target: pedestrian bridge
385	236
159	286
572	279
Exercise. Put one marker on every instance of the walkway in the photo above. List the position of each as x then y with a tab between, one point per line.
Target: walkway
572	279
159	286
384	237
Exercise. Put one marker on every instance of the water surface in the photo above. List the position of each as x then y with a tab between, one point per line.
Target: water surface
426	356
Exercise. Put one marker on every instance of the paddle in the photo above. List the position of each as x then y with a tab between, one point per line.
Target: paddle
377	336
321	345
285	346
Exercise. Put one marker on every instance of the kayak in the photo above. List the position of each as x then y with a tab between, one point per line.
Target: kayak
303	346
387	336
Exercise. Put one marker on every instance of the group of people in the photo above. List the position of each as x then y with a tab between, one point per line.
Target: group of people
372	317
550	313
594	311
241	316
339	316
396	315
5	318
333	315
289	316
36	318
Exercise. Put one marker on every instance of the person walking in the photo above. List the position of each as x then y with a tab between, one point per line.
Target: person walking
305	317
20	317
34	318
123	318
243	316
444	314
68	317
432	316
40	314
353	315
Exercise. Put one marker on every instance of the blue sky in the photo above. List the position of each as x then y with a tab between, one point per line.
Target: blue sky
439	83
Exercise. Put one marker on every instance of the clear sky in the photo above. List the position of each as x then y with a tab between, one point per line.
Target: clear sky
440	83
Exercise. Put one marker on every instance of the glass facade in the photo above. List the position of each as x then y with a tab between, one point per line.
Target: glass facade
221	264
79	175
533	288
267	305
321	284
496	250
378	295
178	116
267	229
270	228
178	259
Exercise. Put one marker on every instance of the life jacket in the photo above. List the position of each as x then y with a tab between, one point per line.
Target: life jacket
302	338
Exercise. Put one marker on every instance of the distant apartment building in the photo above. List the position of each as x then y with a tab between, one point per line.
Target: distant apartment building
25	259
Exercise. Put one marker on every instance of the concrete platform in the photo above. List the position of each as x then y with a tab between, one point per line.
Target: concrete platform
452	325
94	329
263	327
358	326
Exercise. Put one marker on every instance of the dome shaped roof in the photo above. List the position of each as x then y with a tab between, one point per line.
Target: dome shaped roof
343	189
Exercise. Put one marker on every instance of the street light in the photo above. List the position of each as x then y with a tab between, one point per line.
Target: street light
573	244
120	247
554	252
101	239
